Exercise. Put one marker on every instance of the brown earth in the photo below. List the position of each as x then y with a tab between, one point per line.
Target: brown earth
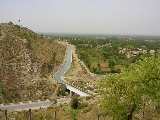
79	73
27	61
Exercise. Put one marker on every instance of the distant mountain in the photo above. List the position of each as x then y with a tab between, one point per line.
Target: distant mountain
26	62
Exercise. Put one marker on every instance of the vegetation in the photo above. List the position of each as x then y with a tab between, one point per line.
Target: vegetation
74	103
133	93
63	111
1	88
112	54
135	90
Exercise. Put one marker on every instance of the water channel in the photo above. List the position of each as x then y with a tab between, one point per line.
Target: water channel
58	77
43	104
68	61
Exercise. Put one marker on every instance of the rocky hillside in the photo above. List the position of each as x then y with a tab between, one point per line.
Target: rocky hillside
26	62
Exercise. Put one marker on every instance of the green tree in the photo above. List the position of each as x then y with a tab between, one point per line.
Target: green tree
136	58
99	66
74	102
119	96
111	63
115	69
123	94
149	73
94	69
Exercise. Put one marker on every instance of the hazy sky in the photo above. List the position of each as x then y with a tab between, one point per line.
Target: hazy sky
84	16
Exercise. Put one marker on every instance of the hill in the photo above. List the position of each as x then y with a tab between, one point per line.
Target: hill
27	61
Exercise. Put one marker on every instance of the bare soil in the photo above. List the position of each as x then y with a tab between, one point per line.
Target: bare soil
79	73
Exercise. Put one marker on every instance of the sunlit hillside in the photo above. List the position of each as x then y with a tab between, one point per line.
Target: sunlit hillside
27	60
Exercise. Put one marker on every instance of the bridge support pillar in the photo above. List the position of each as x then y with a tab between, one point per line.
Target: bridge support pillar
70	93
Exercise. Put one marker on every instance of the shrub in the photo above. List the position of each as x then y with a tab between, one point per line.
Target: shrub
1	88
74	102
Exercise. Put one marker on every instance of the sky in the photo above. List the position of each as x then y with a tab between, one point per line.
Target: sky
133	17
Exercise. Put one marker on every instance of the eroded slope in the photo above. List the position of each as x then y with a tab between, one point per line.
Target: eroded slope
26	62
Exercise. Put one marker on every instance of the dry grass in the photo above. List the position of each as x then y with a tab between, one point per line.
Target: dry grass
105	69
27	61
103	65
79	73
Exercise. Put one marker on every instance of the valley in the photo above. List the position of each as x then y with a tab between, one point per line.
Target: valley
118	76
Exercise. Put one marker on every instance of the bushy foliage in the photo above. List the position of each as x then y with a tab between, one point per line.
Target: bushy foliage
125	93
74	102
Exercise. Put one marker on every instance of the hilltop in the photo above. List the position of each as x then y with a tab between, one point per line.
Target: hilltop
27	61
